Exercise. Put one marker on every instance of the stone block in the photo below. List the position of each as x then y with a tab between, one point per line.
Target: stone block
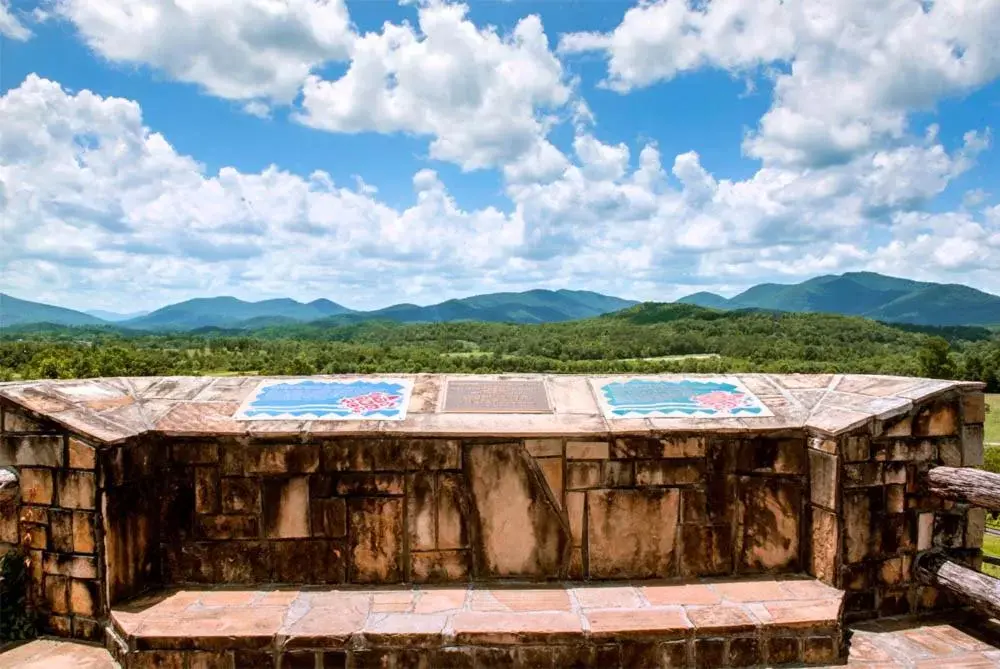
309	561
521	533
617	474
370	484
61	530
684	447
779	456
710	652
574	512
825	445
84	536
862	474
240	562
925	531
783	650
329	518
936	421
206	490
632	533
376	536
891	571
583	475
857	525
666	472
825	545
56	592
35	536
285	513
770	512
81	454
421	512
75	566
77	489
950	452
452	512
895	473
824	476
32	450
219	527
439	566
9	532
240	495
706	550
552	473
817	649
972	446
587	450
975	526
745	652
543	448
36	486
895	498
84	597
911	450
974	407
38	515
282	458
433	454
857	448
629	448
901	427
195	452
156	659
17	421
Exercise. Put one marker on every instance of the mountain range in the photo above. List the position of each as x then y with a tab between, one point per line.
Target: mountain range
865	294
533	306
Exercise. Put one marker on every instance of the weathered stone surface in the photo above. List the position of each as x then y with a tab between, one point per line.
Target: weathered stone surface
84	540
421	515
309	561
974	407
240	495
17	421
779	456
206	490
81	454
552	473
76	566
632	532
587	450
858	534
83	597
972	446
369	484
439	566
32	450
286	507
61	530
684	447
824	477
770	511
862	474
706	550
433	454
195	452
329	518
936	421
825	545
36	486
666	472
543	448
452	512
228	527
376	535
282	458
583	475
507	493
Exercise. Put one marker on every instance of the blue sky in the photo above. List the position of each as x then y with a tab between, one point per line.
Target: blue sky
373	152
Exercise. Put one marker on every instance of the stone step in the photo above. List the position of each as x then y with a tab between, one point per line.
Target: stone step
713	623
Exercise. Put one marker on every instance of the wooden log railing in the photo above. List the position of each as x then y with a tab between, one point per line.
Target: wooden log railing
978	590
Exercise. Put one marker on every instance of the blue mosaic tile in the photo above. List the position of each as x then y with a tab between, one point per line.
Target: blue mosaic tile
723	397
321	399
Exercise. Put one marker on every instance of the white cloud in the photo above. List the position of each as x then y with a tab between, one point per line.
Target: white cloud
479	95
849	70
234	49
10	26
94	201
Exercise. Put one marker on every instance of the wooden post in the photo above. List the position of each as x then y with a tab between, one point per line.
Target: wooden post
973	588
962	484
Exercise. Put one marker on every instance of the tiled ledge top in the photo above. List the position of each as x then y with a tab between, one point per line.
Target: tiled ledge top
477	615
111	410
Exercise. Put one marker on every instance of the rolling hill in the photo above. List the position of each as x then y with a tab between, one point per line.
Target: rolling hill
232	312
867	294
19	312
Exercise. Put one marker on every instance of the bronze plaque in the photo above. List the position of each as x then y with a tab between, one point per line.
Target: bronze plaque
503	396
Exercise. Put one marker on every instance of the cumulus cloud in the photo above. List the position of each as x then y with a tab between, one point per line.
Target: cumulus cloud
481	96
847	72
240	50
94	200
10	26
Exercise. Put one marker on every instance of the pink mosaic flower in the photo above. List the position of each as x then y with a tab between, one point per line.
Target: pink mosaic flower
370	402
721	400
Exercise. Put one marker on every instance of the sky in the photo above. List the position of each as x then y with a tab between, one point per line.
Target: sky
371	153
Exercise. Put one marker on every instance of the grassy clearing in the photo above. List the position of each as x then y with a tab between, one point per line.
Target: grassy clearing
991	546
993	419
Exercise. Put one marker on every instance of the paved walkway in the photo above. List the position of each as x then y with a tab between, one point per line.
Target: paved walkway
56	654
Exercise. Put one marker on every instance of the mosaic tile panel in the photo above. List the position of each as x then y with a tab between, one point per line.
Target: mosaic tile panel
694	397
322	399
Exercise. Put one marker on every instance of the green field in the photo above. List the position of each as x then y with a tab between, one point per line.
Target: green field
991	546
993	419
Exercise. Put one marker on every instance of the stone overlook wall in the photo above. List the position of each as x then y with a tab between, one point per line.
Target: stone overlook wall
123	492
425	510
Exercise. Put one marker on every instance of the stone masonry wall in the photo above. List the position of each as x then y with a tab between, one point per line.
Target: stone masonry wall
56	522
433	510
869	512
